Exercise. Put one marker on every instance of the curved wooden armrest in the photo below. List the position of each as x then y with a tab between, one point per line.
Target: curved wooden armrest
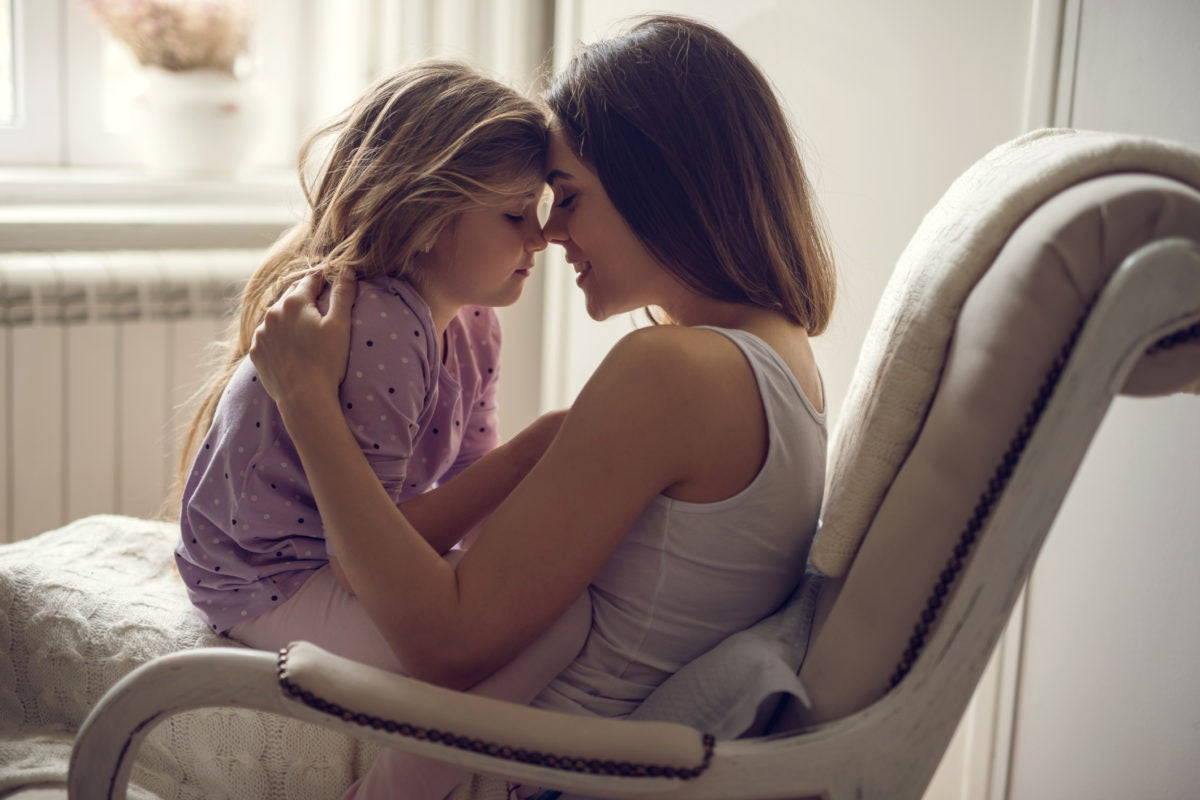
307	683
387	707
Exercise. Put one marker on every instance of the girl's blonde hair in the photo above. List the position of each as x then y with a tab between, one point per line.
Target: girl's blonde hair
420	146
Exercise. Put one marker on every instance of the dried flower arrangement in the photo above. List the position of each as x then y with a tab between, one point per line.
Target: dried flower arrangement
180	35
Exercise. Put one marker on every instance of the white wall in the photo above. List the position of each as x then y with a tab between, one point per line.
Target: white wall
1109	705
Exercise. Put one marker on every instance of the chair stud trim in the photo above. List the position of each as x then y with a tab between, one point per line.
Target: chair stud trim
987	502
996	485
566	763
1179	337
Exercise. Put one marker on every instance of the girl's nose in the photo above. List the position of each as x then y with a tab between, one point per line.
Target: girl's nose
536	240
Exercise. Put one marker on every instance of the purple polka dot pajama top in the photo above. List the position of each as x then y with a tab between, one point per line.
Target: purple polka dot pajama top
251	534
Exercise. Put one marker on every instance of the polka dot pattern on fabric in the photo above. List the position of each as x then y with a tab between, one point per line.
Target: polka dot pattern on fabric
414	437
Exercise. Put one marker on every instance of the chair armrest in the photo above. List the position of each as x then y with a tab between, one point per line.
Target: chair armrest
389	706
307	683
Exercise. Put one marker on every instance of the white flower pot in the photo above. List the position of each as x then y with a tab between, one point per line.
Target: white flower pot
193	124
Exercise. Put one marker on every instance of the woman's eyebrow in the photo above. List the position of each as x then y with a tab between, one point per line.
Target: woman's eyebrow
555	174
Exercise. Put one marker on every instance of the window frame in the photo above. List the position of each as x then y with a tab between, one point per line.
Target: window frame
33	136
59	90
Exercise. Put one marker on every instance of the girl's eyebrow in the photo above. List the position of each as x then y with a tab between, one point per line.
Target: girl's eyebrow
555	174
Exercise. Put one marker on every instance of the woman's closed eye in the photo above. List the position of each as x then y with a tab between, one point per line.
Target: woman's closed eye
515	217
565	202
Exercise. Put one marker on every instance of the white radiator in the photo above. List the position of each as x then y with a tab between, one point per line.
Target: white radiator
98	352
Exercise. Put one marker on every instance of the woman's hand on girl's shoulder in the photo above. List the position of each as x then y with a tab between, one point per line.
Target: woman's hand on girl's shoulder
296	349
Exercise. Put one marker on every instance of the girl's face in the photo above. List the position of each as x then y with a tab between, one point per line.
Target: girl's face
483	256
615	270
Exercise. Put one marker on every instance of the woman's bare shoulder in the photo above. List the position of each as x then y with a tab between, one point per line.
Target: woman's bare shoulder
659	386
691	355
699	408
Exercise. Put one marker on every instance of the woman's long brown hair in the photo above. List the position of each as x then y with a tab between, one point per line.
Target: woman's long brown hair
694	150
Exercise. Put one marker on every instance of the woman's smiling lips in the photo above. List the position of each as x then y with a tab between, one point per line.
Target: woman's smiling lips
582	268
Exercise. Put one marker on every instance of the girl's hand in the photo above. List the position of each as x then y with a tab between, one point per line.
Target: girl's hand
297	350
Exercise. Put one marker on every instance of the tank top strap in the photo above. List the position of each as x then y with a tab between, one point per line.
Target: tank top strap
770	370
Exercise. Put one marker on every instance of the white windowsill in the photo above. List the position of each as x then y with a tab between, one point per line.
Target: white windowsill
101	209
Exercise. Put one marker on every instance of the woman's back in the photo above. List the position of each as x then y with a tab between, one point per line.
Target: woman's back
689	574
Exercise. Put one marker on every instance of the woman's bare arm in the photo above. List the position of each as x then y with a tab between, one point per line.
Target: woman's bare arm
630	435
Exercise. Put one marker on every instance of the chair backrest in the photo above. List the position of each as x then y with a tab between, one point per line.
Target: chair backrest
964	356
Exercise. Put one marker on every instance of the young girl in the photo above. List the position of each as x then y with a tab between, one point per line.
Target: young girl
682	491
429	196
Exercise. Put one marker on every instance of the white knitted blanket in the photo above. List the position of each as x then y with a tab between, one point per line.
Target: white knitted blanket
82	606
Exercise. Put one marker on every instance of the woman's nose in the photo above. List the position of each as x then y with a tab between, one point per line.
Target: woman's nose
553	231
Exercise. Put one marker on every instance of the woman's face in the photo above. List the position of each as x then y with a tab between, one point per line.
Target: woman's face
615	270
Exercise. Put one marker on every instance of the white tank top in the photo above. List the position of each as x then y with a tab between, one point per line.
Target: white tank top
689	574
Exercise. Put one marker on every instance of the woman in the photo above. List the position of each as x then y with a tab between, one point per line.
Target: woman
682	490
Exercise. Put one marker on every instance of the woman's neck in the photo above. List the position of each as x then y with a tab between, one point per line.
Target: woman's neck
689	308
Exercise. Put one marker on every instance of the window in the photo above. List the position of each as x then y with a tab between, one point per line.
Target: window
31	70
6	63
66	85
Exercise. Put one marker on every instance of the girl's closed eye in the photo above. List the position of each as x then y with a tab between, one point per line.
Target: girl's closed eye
519	213
565	202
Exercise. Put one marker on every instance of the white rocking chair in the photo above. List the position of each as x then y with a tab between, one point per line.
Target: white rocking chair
1060	270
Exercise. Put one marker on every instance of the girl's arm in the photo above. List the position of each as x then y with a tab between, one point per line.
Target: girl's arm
445	514
386	392
629	436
